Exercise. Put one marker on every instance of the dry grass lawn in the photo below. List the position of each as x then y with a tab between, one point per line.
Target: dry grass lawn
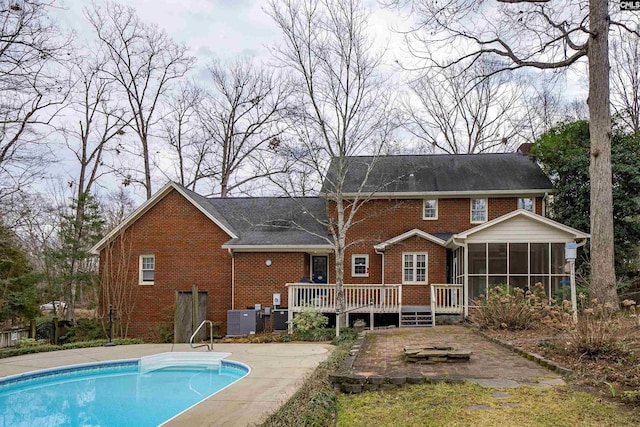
471	405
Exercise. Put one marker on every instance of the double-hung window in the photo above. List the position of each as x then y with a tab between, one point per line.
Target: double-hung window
430	209
478	210
147	269
525	203
360	265
414	269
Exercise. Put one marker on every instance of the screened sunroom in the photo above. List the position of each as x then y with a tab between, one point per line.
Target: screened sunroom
519	249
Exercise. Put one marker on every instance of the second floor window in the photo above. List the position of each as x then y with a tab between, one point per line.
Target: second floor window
525	203
360	266
430	209
478	210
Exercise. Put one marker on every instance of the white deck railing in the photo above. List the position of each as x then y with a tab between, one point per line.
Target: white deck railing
446	299
357	298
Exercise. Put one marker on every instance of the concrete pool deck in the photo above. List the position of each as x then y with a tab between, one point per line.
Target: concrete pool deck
277	370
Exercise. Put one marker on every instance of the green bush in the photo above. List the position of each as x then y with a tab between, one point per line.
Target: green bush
84	330
309	319
286	338
41	348
346	335
319	334
516	309
30	342
165	333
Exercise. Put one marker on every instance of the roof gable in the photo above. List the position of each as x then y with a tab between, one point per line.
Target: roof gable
522	225
380	247
196	200
444	174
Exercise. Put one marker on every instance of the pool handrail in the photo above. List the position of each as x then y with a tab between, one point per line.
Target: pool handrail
210	345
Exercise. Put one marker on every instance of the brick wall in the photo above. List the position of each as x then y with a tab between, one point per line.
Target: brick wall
255	282
385	219
436	268
187	249
186	245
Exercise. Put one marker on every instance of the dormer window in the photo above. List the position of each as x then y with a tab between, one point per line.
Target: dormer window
525	203
430	209
478	210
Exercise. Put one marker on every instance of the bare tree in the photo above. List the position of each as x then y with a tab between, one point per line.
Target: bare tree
117	206
545	35
115	290
451	112
545	108
181	130
241	119
35	219
100	120
625	78
32	88
342	105
144	61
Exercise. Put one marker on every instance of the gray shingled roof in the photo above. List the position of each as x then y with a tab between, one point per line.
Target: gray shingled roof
442	173
210	208
274	220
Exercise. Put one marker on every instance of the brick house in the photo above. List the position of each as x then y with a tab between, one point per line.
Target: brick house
436	231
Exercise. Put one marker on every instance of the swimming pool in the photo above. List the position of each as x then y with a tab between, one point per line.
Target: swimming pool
136	392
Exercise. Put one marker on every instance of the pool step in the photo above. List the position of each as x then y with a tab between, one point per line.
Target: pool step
162	360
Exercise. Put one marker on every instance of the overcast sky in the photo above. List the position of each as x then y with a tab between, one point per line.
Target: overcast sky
222	28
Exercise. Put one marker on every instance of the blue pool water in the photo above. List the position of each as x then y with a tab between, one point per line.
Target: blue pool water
111	394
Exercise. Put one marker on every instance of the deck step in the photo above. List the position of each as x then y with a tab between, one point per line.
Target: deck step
415	320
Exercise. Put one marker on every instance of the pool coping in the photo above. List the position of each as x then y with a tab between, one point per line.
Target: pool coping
277	371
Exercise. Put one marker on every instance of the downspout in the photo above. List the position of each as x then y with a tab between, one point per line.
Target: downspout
381	252
582	243
233	278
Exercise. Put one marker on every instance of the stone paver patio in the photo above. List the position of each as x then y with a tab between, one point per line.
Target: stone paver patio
491	365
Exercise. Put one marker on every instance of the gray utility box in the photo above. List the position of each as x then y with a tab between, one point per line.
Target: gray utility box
280	318
244	322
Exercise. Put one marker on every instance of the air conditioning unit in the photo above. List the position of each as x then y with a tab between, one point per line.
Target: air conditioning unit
280	318
244	322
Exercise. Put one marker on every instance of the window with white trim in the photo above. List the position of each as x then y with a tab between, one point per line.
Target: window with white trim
525	203
478	210
430	209
360	265
414	268
147	269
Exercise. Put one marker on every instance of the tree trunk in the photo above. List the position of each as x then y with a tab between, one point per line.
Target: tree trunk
340	305
147	167
339	248
603	281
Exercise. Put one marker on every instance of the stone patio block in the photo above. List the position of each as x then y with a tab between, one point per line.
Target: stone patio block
398	379
375	379
351	388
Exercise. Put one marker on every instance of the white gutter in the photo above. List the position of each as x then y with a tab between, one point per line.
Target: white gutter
449	194
279	248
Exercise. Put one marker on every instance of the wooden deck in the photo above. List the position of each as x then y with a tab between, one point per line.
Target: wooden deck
373	299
